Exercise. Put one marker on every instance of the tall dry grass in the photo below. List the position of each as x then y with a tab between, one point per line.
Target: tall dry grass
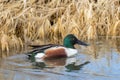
27	21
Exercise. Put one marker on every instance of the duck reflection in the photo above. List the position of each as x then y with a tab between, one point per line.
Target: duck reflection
68	63
39	65
49	63
74	66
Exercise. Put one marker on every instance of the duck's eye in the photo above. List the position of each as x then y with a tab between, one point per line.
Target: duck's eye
73	39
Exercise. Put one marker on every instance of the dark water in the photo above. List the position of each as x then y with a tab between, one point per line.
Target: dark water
99	61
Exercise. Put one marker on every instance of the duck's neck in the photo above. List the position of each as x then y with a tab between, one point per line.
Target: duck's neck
69	46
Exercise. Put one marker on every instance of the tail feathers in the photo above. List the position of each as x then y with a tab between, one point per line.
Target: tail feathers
33	52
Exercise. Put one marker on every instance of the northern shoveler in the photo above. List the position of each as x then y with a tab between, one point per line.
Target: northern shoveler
51	51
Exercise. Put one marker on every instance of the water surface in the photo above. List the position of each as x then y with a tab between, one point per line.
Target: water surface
99	61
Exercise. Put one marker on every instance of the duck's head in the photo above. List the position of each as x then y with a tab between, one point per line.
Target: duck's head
70	40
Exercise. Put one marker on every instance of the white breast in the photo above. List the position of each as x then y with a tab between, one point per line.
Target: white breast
71	52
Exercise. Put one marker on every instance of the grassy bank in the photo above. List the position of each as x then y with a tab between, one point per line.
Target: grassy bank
27	21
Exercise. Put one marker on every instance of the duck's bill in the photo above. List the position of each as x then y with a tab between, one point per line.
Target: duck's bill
82	43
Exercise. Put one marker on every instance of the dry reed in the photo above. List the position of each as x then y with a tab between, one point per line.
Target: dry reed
25	21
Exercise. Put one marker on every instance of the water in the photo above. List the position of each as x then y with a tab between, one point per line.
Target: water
99	61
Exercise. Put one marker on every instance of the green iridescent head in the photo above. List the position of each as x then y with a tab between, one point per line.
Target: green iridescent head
70	40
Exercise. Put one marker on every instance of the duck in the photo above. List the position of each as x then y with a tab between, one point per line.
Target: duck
55	51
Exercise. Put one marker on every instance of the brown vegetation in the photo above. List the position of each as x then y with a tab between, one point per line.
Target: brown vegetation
27	21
